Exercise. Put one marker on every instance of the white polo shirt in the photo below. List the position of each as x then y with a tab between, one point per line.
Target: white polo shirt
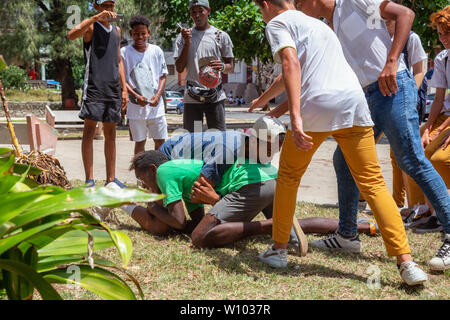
364	37
441	77
331	97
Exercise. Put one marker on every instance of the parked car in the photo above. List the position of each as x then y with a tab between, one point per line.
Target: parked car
430	99
173	98
180	108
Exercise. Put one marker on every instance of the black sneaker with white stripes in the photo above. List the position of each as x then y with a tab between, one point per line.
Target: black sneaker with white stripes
338	243
441	261
432	225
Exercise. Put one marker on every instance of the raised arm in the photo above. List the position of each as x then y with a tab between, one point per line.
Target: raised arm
123	81
275	89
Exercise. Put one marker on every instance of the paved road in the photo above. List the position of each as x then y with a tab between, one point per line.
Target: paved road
318	184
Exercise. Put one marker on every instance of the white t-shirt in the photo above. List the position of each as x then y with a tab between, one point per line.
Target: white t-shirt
153	57
415	50
211	42
364	37
331	97
441	77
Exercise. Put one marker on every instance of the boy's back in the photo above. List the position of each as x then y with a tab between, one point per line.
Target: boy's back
175	179
153	58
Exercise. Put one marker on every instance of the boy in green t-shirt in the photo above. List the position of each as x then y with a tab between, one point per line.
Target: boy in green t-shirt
245	190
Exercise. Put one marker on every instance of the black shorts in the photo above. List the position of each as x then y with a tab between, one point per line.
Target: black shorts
103	111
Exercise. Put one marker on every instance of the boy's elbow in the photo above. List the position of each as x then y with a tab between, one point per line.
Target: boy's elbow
411	15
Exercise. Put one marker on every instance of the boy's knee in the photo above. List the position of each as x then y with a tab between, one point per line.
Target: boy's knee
157	228
204	231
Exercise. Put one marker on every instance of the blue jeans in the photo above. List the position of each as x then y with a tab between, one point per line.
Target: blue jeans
397	117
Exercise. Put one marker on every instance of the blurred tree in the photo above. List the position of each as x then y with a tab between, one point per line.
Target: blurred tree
423	10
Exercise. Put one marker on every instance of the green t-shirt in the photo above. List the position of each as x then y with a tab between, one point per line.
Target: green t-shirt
243	173
175	179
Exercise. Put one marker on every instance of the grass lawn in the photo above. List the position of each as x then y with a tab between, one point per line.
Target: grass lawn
170	268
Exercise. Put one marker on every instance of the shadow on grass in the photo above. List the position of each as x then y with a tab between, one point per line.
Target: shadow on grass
135	228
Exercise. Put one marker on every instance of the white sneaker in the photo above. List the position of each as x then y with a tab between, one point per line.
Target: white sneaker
441	261
412	274
276	258
338	243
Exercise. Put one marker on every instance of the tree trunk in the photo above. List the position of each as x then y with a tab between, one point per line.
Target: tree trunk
68	95
259	73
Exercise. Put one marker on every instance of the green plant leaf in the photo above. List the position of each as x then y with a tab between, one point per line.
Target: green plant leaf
80	198
12	183
16	286
44	288
13	204
5	151
99	281
5	228
7	182
76	242
44	238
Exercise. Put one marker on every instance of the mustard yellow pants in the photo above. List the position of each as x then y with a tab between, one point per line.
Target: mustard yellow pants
439	158
358	147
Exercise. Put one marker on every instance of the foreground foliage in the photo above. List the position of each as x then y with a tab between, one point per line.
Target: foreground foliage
47	236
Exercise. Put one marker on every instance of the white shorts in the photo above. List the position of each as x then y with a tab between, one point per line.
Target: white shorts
157	129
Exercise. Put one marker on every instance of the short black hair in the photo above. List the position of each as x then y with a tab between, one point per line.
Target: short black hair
143	160
137	20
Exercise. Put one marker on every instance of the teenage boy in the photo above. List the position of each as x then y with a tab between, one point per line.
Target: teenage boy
219	150
436	137
245	190
203	41
325	98
146	72
105	94
391	93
